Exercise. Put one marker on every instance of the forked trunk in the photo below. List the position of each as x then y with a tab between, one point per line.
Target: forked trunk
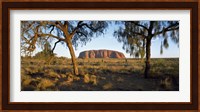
73	57
148	55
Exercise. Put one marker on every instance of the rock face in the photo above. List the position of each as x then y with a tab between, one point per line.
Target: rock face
101	54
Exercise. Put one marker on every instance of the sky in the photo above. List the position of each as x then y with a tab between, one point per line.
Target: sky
109	42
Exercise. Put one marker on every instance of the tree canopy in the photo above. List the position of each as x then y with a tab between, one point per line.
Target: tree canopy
133	34
39	32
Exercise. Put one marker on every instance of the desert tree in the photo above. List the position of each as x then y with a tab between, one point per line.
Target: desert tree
69	33
137	36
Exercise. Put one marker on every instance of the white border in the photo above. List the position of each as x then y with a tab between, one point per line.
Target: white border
183	95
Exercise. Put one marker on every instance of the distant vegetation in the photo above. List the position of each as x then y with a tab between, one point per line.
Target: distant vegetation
98	74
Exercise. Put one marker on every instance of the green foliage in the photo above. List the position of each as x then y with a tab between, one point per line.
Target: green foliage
83	31
46	52
133	34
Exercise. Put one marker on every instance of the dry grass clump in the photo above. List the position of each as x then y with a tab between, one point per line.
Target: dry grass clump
90	79
26	80
119	79
82	71
93	79
166	83
51	74
63	75
70	78
69	81
64	86
86	78
76	78
45	83
107	86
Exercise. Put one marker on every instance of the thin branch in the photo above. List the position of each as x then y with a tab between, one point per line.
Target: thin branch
137	33
173	25
52	29
77	27
50	35
140	25
57	25
29	26
27	41
81	33
55	46
165	30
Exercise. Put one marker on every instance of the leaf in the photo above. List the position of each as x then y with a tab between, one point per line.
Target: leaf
165	43
161	48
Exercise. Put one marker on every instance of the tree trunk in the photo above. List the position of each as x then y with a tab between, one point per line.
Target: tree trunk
148	55
73	57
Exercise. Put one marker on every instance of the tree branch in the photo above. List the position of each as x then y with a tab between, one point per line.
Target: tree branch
59	23
169	28
29	26
81	33
52	29
54	24
140	25
50	35
55	46
165	30
77	27
66	25
137	33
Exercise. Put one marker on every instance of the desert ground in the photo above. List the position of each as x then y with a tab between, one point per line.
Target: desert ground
99	74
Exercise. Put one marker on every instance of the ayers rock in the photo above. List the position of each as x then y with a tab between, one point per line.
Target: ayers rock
103	53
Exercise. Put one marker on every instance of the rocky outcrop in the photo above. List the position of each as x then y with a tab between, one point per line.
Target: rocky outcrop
101	54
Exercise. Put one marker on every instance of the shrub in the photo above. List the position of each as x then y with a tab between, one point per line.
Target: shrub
52	74
166	83
26	79
45	83
63	75
26	82
76	78
86	78
107	86
120	79
70	78
93	79
82	71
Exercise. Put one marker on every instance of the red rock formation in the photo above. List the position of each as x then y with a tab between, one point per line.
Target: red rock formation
101	54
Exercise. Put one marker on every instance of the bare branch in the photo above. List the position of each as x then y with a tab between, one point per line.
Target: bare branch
54	24
77	27
81	33
50	35
52	29
59	23
141	34
55	45
140	25
166	30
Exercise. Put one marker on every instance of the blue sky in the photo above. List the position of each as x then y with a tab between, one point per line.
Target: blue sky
112	44
108	41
